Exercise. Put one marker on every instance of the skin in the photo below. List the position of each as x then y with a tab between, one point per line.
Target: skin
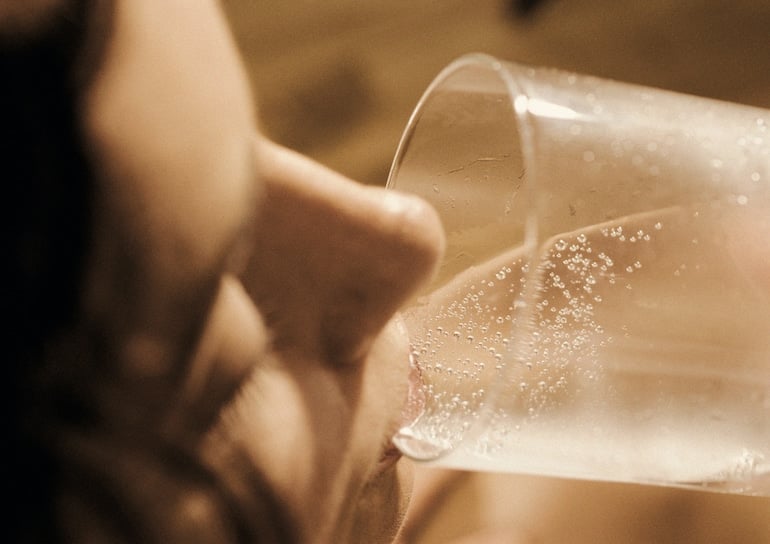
244	299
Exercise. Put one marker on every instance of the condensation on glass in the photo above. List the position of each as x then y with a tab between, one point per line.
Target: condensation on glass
603	309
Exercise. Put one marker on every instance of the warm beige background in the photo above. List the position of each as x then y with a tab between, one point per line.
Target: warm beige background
337	80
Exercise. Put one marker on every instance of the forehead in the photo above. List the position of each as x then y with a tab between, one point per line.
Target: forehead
170	115
169	123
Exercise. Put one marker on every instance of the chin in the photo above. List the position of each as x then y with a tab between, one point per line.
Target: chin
382	506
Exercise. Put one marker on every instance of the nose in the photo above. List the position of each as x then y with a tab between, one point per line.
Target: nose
333	260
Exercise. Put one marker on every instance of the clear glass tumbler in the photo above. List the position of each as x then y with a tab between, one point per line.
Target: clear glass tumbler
603	309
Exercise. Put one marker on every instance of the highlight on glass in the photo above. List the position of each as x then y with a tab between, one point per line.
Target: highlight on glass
603	309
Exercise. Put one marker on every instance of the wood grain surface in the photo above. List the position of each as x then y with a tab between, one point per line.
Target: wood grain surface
338	79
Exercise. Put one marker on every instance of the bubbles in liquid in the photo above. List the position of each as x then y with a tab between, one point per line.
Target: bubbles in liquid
468	340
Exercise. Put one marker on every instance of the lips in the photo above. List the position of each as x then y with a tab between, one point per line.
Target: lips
413	407
415	397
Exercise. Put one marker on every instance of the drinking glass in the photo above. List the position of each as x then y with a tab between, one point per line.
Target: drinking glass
603	308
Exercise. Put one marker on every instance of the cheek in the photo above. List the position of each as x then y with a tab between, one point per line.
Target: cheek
269	421
317	435
294	427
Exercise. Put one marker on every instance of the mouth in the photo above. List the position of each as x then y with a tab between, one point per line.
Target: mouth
389	458
415	396
411	410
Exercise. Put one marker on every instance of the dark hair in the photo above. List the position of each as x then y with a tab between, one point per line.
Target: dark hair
45	226
46	65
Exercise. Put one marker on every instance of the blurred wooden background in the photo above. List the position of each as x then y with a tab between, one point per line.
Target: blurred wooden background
337	79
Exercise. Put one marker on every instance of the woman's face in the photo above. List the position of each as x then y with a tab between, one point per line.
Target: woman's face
244	295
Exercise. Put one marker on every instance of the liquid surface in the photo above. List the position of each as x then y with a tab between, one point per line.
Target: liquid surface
636	350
